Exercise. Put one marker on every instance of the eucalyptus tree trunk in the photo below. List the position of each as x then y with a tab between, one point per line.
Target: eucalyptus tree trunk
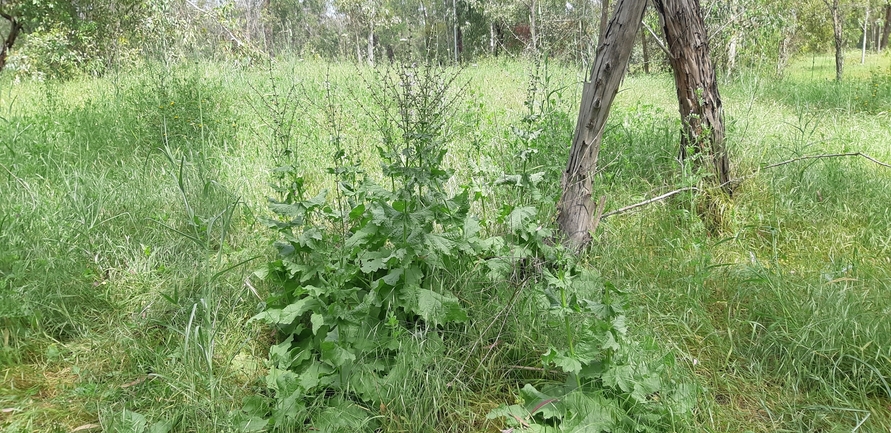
533	24
371	44
699	103
838	37
646	51
865	32
604	18
15	27
575	209
886	28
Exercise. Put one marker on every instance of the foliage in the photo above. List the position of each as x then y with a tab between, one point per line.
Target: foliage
111	313
357	276
611	385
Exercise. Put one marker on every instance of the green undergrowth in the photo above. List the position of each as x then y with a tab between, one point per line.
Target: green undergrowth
404	276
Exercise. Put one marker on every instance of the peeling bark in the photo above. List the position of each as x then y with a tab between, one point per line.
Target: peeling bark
699	102
575	209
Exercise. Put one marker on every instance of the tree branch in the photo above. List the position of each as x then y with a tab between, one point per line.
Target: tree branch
646	202
740	179
830	155
658	41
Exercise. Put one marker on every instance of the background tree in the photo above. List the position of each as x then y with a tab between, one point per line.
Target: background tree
886	27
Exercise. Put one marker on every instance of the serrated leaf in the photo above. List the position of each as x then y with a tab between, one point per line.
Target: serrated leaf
392	278
471	227
499	268
289	314
520	216
620	325
565	362
132	422
619	376
650	384
593	414
335	355
296	210
317	321
357	211
311	376
371	264
539	403
342	416
439	244
253	424
161	426
512	413
437	309
360	236
535	178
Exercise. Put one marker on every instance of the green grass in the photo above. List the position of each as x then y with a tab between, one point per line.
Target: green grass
126	254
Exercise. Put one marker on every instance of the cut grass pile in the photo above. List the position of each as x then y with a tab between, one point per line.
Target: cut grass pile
131	212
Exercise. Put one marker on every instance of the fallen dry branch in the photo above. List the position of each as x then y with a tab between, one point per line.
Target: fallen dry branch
648	201
829	155
738	180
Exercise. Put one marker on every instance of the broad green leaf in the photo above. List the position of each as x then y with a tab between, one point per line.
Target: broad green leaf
335	355
541	404
311	376
439	244
645	387
591	413
161	427
437	309
343	416
360	236
253	424
619	376
520	216
512	413
317	321
287	315
131	422
295	210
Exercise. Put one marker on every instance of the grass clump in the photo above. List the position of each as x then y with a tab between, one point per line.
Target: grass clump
427	293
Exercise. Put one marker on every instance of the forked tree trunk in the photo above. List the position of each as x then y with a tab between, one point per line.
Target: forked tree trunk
698	100
15	27
575	209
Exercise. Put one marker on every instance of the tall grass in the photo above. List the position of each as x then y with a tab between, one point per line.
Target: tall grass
130	223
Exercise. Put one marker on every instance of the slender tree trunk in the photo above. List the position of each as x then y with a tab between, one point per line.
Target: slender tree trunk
575	209
604	18
838	37
699	103
646	51
533	24
886	28
865	29
492	38
371	44
455	29
731	53
15	27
